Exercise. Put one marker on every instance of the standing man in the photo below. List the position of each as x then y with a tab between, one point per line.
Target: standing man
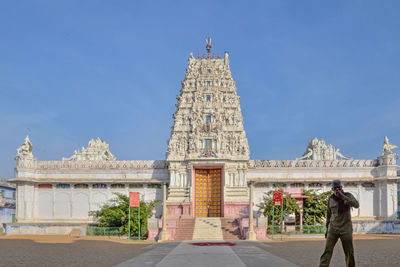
338	224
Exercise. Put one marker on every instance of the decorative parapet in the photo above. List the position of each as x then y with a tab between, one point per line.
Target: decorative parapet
351	163
162	164
93	164
387	160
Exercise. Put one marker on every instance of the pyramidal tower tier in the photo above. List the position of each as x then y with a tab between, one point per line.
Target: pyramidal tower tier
207	131
208	122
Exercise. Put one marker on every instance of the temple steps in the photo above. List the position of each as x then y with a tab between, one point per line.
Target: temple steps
185	229
230	229
208	229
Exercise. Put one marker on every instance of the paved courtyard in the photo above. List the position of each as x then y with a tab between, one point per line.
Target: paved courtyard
377	250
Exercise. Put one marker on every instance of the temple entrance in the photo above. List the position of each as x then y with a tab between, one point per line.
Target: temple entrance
208	192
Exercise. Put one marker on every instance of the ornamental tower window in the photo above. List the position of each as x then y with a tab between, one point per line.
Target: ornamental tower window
207	118
207	145
207	123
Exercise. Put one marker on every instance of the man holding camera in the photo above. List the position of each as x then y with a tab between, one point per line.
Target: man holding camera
338	224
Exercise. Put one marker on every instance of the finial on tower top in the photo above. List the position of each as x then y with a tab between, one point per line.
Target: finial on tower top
208	46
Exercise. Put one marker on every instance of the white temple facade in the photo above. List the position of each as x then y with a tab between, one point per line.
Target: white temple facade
207	166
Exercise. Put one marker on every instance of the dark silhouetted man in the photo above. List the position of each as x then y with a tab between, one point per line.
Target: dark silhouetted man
338	224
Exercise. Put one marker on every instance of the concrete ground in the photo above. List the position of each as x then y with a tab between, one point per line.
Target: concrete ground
370	250
66	251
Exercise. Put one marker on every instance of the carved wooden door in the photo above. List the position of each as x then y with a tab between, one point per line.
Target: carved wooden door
208	192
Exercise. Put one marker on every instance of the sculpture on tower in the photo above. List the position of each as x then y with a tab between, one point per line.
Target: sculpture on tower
25	150
208	47
318	150
97	150
387	147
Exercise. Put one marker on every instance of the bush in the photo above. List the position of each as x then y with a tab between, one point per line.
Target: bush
115	214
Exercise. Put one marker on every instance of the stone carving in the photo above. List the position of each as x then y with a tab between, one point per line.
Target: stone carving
318	150
120	164
97	150
339	155
25	150
350	163
208	118
387	147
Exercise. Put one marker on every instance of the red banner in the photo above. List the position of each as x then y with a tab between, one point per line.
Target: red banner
277	198
134	199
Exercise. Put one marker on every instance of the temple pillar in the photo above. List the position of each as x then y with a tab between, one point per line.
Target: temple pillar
164	233
251	235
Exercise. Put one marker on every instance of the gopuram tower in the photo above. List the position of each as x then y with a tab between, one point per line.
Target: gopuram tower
208	152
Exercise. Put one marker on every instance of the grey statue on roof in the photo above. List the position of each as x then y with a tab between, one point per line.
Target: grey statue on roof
318	150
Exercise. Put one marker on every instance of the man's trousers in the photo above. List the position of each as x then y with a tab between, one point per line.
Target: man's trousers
347	244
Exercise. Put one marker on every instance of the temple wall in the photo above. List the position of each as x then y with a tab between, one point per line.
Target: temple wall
71	205
375	187
45	229
375	190
50	192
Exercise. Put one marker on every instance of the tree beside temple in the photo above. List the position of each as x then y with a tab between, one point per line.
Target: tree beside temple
115	213
314	207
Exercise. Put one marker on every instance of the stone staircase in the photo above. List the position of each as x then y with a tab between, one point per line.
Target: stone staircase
185	229
230	229
208	229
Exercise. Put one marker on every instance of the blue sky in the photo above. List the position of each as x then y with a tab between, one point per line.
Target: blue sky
73	70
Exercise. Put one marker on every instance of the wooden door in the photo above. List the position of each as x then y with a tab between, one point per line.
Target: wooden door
208	192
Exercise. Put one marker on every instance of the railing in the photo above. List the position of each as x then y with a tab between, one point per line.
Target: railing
110	231
297	229
104	231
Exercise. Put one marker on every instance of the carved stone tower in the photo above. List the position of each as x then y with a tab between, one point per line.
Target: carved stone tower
207	133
